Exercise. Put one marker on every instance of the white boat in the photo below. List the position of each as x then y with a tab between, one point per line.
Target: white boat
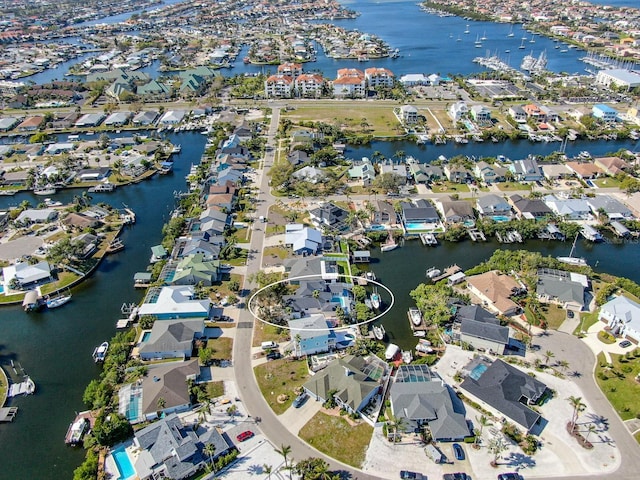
419	333
76	431
424	346
467	30
375	300
415	316
407	357
44	191
58	301
432	273
391	352
102	187
176	149
511	34
571	260
389	245
100	353
378	332
52	203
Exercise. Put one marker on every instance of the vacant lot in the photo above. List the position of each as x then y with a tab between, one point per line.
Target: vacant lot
618	382
278	380
222	348
335	437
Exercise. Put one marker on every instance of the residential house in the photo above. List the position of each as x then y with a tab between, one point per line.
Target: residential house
568	208
506	390
171	339
517	113
398	171
457	173
611	165
489	173
407	114
118	119
90	120
611	207
26	275
526	170
312	335
420	211
424	173
530	208
144	118
363	171
378	77
169	449
303	240
348	380
495	291
80	221
494	206
208	247
40	215
350	83
458	110
172	117
584	170
566	289
174	302
475	326
556	171
329	215
298	157
309	85
622	317
384	214
195	269
31	124
425	401
279	86
455	211
309	174
605	113
535	113
480	114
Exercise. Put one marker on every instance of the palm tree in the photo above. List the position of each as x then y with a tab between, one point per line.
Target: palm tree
563	364
397	424
590	429
161	403
548	355
578	407
483	421
400	154
210	450
268	469
497	447
202	411
285	450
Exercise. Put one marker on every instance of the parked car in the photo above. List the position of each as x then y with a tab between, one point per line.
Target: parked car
273	355
625	343
456	476
458	451
510	476
241	437
406	474
300	399
570	314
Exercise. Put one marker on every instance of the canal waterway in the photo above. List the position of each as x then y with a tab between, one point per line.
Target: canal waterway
55	347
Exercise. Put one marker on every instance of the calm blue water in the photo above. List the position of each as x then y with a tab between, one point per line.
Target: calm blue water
121	458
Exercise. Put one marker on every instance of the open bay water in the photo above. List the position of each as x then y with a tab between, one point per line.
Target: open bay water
55	347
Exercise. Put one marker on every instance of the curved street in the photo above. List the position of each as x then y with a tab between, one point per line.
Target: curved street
565	346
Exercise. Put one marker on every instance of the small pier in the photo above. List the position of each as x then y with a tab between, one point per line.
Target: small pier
130	312
512	236
429	239
453	269
7	414
476	235
115	246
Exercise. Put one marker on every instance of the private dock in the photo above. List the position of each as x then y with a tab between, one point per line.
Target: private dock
511	236
115	246
476	235
429	239
453	269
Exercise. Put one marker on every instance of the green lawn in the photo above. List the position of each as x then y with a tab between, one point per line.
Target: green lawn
512	186
606	182
215	389
618	383
449	187
336	438
223	348
277	252
555	315
264	332
281	377
586	320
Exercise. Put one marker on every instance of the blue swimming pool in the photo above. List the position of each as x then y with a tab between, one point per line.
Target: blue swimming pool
123	463
500	218
477	372
417	226
377	227
145	336
1	289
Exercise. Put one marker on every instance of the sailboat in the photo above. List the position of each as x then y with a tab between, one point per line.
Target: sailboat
571	260
484	36
522	47
511	34
478	42
467	29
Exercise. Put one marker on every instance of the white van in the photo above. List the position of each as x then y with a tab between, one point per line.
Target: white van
268	345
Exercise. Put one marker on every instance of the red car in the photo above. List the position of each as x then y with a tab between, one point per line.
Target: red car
244	436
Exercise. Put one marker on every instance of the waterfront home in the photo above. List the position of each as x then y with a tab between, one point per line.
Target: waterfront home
568	208
197	268
622	317
480	114
384	214
8	123
413	79
363	171
455	211
556	171
25	276
311	335
349	83
290	69
494	205
378	77
169	449
80	221
517	113
419	211
145	118
97	174
40	215
30	124
406	114
329	215
90	120
174	302
475	326
158	252
309	174
226	202
619	77
171	339
424	173
425	401
86	243
458	110
584	170
309	85
118	119
609	206
209	247
566	289
302	240
611	165
505	390
529	208
489	173
353	382
279	86
457	173
399	171
213	222
172	117
605	113
535	113
495	291
526	170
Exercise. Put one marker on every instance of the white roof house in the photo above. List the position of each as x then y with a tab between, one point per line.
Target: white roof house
175	302
302	239
172	117
26	274
623	317
570	208
41	215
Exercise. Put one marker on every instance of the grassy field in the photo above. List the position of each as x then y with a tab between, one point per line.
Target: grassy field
618	383
555	315
215	389
586	320
281	377
277	252
263	332
335	437
223	348
513	186
606	182
379	118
